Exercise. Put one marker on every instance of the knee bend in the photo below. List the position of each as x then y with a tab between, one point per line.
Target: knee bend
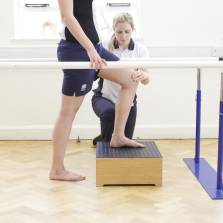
129	84
67	115
108	114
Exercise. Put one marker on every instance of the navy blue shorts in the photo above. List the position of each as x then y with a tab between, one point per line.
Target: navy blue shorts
78	82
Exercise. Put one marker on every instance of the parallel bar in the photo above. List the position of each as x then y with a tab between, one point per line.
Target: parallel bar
51	59
205	174
112	65
198	117
210	180
220	141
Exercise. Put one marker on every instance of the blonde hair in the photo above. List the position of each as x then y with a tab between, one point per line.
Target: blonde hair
120	18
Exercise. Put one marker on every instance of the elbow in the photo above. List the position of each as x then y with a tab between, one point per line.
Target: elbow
67	19
145	82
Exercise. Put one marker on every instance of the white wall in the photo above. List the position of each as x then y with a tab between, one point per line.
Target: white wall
6	21
30	99
183	23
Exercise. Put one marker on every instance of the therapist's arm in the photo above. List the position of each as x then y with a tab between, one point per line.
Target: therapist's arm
143	74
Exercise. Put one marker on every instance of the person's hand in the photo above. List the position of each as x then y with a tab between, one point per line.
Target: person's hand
140	76
96	61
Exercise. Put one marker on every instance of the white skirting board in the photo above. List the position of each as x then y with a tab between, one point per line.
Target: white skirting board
44	132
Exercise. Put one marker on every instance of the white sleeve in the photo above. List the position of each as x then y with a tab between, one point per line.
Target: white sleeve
105	43
143	51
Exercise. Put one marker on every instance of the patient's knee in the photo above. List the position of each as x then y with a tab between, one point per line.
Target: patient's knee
130	84
68	114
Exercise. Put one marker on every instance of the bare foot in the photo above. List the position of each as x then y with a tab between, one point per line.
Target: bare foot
65	175
117	141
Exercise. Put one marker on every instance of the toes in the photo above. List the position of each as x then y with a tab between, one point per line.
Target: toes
67	176
76	178
126	143
140	145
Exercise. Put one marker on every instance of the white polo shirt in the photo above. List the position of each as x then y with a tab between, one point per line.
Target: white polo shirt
110	89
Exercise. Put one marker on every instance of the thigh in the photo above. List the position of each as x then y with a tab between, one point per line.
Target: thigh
120	76
70	105
103	107
77	82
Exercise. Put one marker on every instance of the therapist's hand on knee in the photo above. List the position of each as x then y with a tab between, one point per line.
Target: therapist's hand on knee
140	76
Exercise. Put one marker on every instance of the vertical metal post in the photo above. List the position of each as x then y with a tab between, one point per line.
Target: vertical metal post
198	117
220	140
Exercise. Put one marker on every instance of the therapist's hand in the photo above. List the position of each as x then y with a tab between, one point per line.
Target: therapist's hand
140	76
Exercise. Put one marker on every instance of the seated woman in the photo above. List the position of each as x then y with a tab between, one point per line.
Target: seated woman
105	96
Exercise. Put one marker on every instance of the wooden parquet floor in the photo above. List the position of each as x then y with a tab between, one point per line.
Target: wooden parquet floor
27	196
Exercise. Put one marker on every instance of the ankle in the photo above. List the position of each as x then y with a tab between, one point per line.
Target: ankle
56	169
118	136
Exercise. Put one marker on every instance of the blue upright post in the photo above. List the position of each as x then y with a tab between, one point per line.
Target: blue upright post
220	141
205	174
198	117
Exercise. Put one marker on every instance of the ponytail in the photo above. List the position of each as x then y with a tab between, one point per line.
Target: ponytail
112	43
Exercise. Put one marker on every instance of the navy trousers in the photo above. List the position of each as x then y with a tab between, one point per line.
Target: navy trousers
105	110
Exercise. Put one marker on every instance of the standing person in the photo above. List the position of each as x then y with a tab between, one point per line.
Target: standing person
80	42
105	96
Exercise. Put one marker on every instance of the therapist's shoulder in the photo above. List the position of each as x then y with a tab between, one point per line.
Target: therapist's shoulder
141	49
